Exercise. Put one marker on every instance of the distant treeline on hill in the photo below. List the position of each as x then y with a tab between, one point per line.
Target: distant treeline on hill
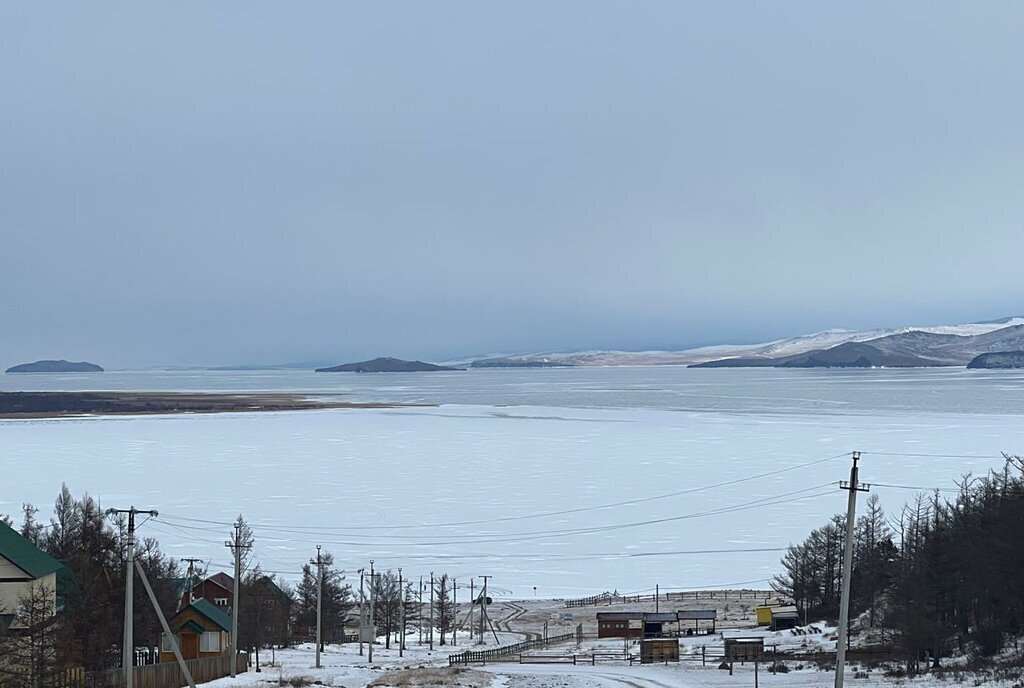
944	576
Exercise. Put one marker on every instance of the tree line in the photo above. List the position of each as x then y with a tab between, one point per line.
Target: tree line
941	576
41	649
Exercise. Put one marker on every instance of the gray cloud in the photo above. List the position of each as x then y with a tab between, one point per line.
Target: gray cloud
233	182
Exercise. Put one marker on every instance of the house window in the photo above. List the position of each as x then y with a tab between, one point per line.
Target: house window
210	642
165	642
222	601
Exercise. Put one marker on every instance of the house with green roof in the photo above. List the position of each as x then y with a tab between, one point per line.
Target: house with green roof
202	629
23	566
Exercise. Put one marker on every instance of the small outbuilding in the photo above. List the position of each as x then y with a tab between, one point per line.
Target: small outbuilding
696	616
748	649
202	630
764	614
620	625
656	650
784	617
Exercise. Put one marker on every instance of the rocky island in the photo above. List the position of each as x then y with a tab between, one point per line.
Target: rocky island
60	366
998	360
386	365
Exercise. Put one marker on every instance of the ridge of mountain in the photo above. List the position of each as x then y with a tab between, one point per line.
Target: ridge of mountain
912	349
998	360
938	350
385	364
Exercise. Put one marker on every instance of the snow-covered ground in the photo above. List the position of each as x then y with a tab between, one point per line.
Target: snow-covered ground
342	667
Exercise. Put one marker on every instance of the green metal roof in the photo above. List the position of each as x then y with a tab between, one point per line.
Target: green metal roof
25	555
191	625
213	613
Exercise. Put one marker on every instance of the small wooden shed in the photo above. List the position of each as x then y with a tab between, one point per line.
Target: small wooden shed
784	617
656	650
749	649
620	625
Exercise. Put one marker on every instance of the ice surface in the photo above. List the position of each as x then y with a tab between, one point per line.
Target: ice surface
368	484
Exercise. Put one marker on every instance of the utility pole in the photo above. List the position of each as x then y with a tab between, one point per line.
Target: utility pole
657	598
419	616
192	561
373	599
430	628
362	611
401	592
128	648
319	602
236	548
853	487
472	604
455	607
483	609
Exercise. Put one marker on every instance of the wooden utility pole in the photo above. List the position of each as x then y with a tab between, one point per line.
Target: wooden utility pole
430	628
455	607
853	487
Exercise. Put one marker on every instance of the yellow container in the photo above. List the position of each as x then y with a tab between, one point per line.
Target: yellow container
764	615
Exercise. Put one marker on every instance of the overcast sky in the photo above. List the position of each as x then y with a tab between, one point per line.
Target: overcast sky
236	182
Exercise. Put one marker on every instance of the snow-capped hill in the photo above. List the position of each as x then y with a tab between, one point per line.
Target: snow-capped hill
781	348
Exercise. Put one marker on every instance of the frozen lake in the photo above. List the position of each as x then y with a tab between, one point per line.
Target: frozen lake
475	485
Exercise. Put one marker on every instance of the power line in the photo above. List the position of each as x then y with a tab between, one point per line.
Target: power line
597	507
537	535
933	456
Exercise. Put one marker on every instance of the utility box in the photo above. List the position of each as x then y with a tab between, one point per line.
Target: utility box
656	650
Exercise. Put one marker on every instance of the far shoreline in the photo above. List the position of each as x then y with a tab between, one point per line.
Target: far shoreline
52	405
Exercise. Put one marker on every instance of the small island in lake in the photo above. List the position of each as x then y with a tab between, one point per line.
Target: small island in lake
998	360
386	365
60	366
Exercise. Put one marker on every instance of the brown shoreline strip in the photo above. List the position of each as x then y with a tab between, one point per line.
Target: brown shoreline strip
69	404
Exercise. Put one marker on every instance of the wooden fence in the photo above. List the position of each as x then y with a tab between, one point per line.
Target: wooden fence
681	596
603	598
481	656
165	674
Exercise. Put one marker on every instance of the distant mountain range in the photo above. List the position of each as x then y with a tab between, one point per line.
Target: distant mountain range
937	345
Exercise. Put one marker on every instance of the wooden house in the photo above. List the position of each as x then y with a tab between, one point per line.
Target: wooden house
202	630
24	568
218	589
